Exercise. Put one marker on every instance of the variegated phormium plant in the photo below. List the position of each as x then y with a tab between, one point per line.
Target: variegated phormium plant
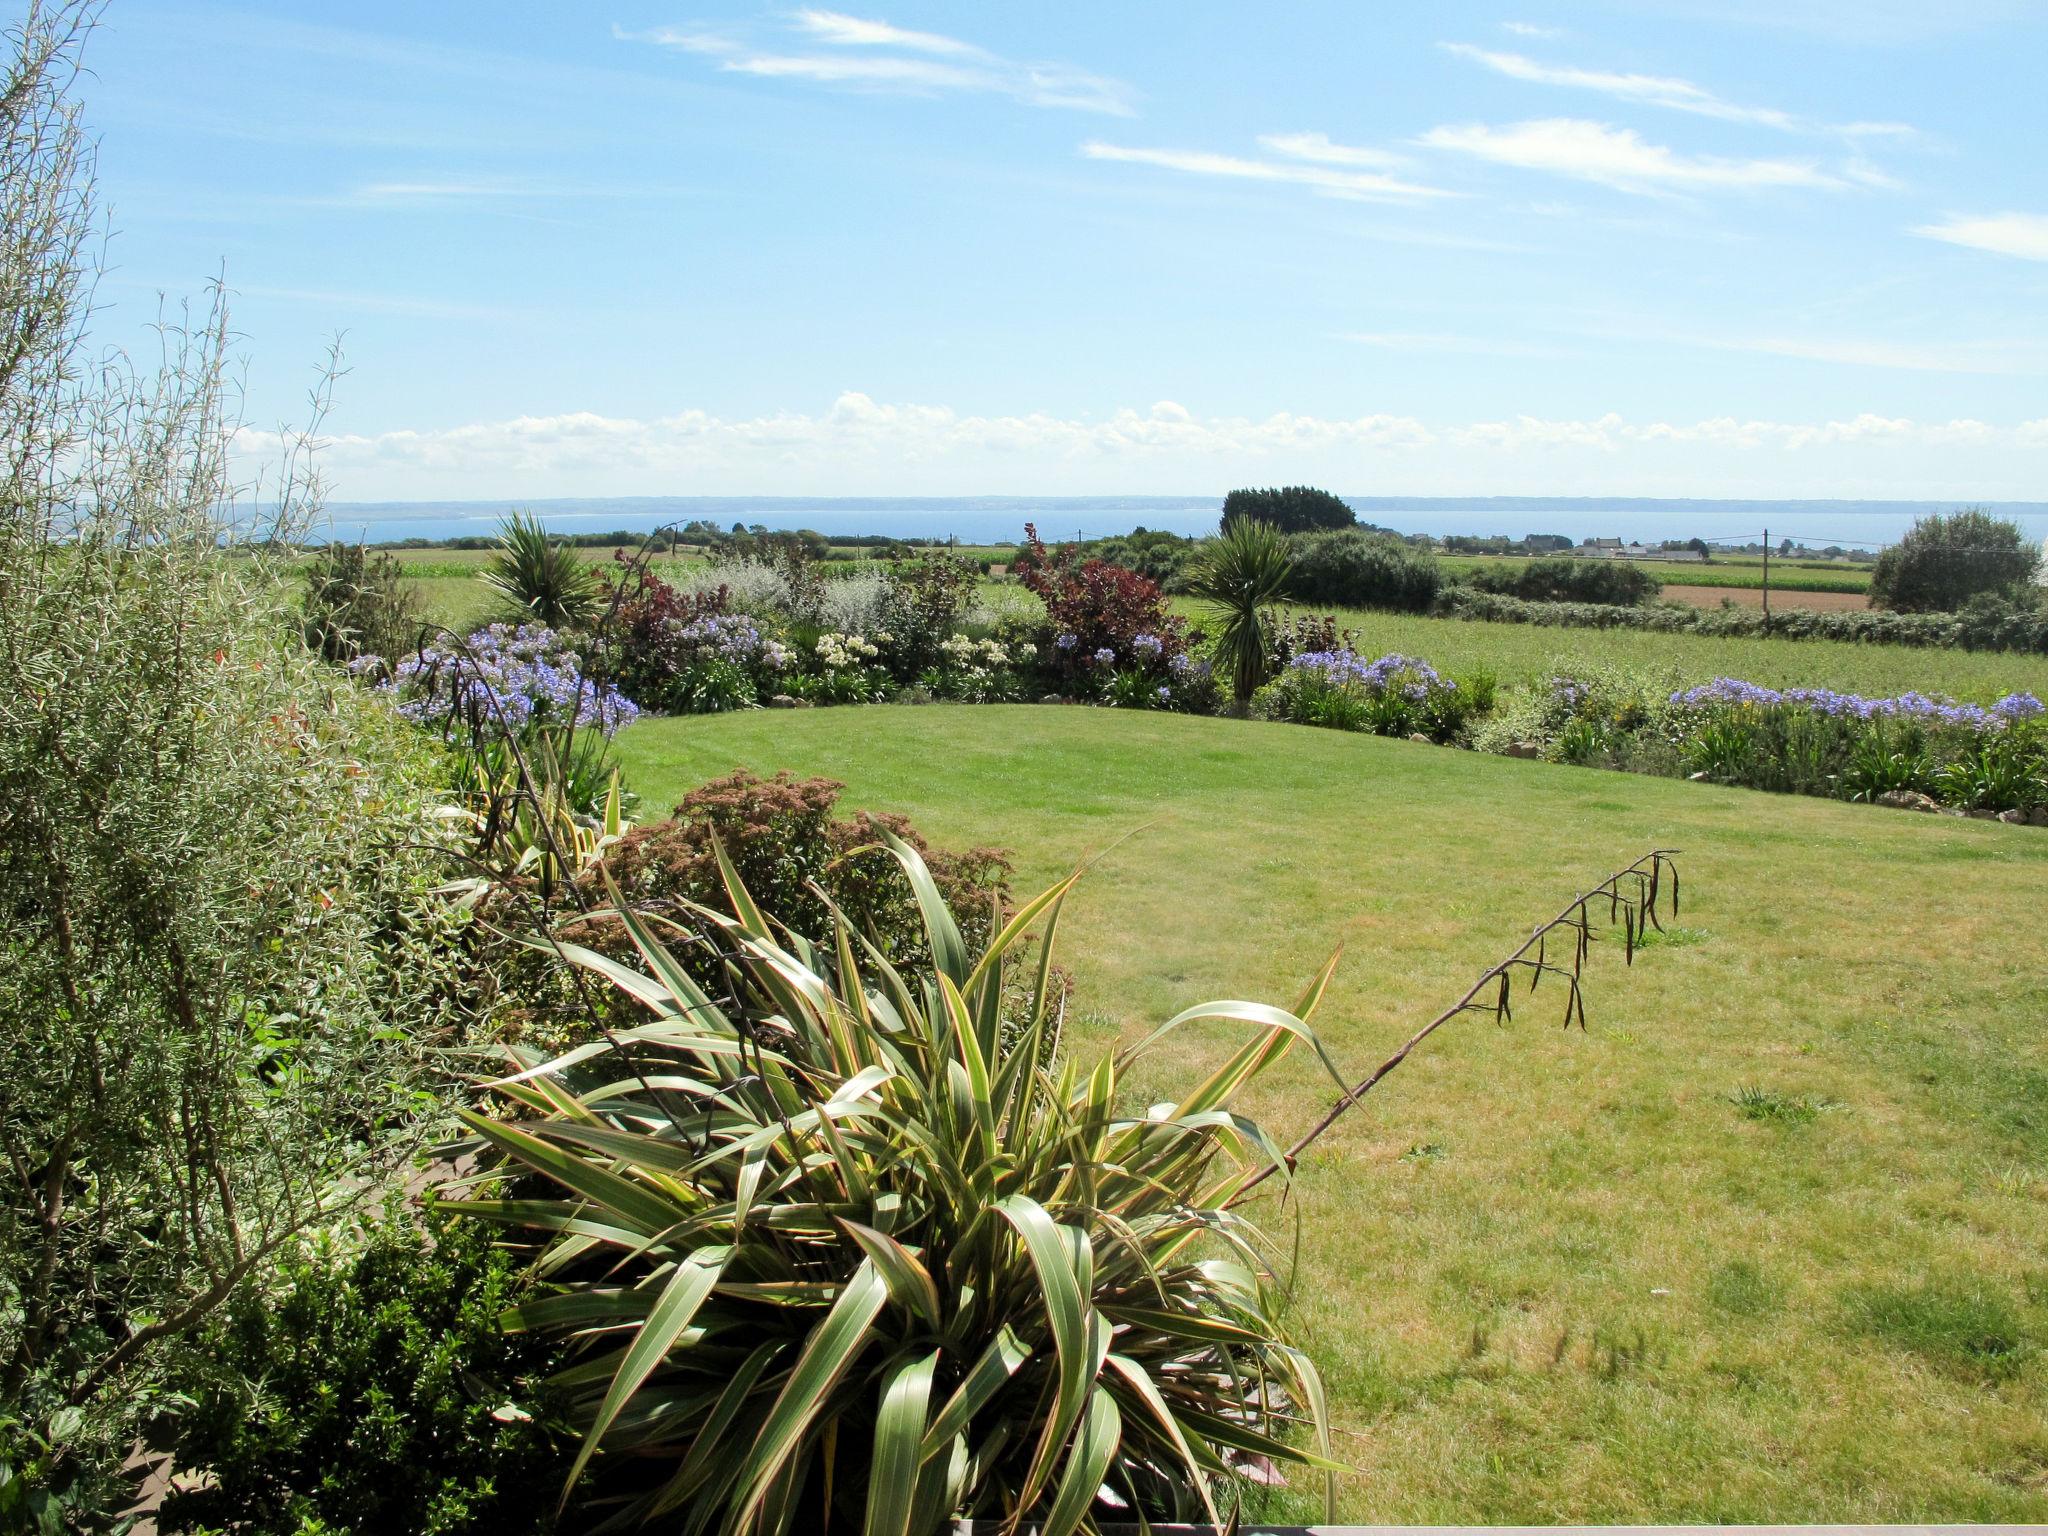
825	1252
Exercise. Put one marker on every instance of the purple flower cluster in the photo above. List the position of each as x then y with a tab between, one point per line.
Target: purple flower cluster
1105	656
1921	707
1182	665
1147	647
510	679
1066	642
1414	676
731	635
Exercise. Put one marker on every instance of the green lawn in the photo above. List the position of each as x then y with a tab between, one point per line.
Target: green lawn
1514	652
1559	1276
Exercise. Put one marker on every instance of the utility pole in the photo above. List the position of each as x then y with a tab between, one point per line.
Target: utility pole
1767	581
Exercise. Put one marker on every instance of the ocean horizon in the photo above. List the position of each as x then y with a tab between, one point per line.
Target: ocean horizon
1001	519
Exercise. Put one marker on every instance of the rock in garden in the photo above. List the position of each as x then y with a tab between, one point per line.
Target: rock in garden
1908	800
2016	818
2040	816
782	701
1052	698
1418	736
1525	749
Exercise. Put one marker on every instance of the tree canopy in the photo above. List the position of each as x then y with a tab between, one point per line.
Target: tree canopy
1291	509
1943	562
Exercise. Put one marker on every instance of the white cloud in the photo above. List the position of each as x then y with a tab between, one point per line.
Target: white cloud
882	57
2024	235
1318	147
1530	29
1331	181
1651	90
1680	95
861	446
1616	157
855	32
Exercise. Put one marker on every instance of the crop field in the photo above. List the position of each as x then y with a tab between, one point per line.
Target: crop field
1737	571
1513	652
1767	1242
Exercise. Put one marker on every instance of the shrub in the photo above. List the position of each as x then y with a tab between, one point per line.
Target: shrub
1098	617
1291	509
840	1257
784	839
1154	554
359	604
1943	562
369	1386
2000	626
655	636
544	579
1239	575
922	604
204	837
1569	580
1355	569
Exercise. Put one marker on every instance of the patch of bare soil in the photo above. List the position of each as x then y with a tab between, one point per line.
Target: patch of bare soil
1753	597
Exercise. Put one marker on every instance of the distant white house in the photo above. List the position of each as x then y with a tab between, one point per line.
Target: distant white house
1614	549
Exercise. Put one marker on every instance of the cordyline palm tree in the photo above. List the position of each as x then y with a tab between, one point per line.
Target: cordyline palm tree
540	576
843	1246
1241	574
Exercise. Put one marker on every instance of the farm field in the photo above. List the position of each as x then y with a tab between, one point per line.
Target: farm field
1514	652
1753	597
1765	1243
1724	571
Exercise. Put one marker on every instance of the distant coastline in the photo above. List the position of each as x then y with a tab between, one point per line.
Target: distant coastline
990	519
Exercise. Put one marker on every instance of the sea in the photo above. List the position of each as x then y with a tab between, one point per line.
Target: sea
1001	519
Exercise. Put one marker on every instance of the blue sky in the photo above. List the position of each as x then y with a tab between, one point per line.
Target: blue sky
1753	247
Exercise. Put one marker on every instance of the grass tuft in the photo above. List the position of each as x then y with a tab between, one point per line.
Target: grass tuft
1963	1327
1767	1104
1740	1288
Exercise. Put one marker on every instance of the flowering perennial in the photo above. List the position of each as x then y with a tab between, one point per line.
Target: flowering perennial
509	679
1411	674
1921	707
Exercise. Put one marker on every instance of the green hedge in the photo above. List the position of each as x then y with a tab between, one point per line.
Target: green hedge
1986	625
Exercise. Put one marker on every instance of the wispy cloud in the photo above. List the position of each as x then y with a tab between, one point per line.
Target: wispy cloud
1315	163
1317	147
1444	342
1967	357
856	32
1650	90
1530	29
1617	157
1670	92
497	193
863	53
2024	235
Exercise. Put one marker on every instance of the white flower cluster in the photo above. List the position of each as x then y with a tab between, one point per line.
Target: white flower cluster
963	652
837	650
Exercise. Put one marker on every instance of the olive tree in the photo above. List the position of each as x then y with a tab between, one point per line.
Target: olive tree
203	874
